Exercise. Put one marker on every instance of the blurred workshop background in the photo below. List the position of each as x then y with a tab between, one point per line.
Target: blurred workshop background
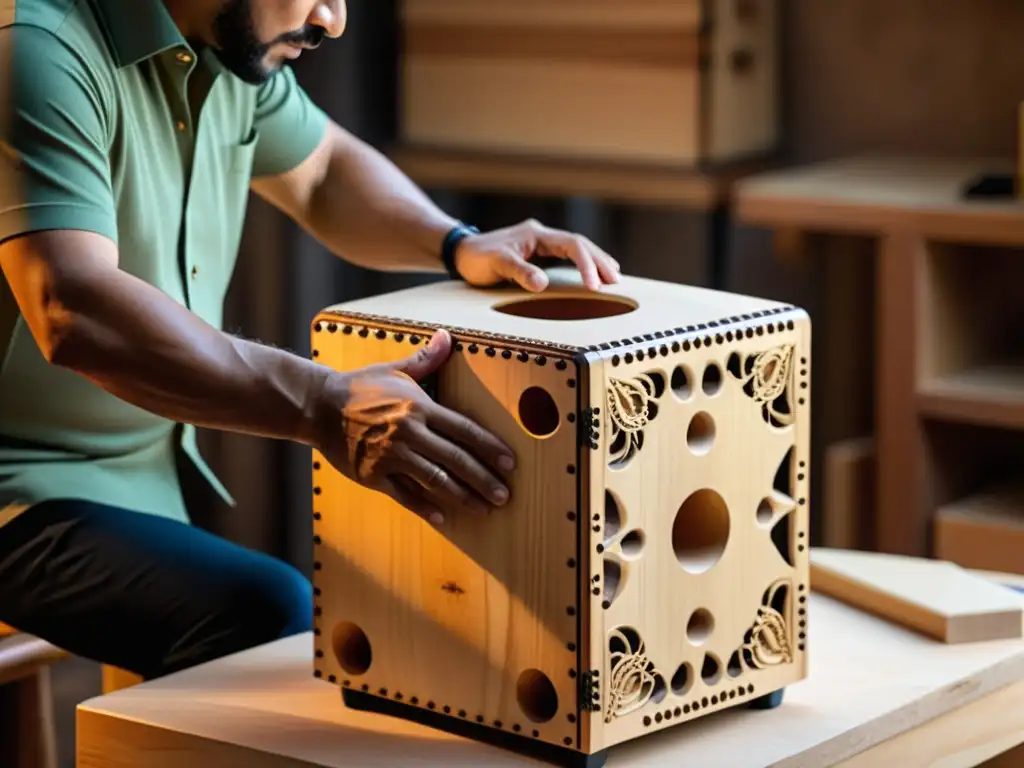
852	136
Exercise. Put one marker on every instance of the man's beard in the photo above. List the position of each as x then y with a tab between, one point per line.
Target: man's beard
239	48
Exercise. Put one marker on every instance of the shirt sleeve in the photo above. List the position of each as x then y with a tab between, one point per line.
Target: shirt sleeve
54	161
289	123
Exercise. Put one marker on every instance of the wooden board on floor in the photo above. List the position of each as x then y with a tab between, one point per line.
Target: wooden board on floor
935	597
871	682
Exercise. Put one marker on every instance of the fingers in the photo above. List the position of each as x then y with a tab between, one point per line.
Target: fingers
414	498
595	266
439	482
476	440
467	470
515	268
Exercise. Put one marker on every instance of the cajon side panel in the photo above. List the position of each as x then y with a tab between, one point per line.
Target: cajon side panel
479	620
699	495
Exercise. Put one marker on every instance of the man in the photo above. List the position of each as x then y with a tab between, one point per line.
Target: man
131	131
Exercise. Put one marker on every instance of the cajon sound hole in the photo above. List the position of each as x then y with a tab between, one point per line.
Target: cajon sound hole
681	383
711	671
352	648
612	517
682	680
537	696
700	626
565	308
712	381
538	412
632	545
700	435
700	531
612	580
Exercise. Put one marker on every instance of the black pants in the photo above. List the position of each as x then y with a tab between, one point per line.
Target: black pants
142	593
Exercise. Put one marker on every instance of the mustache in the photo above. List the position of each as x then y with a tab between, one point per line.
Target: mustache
308	37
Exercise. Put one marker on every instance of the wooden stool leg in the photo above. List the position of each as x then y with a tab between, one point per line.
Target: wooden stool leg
28	738
115	679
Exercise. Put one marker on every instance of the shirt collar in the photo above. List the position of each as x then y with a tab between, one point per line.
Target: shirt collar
138	29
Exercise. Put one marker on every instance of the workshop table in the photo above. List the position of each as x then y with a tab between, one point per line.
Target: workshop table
876	695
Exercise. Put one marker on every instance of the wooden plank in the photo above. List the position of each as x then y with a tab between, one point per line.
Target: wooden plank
647	184
877	194
935	597
984	531
849	493
990	395
902	467
263	708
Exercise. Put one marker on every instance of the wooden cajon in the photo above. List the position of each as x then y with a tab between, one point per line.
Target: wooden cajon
651	566
685	82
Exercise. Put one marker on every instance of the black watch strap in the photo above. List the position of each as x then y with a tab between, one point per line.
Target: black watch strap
455	235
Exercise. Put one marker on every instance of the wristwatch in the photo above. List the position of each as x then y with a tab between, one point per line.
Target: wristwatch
455	235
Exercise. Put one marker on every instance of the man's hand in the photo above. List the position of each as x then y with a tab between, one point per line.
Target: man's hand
381	429
504	254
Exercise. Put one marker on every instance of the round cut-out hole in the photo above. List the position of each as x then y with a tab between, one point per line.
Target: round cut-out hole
681	383
734	668
700	531
567	307
632	544
351	648
537	696
765	512
612	580
712	381
711	671
700	626
682	680
612	516
538	412
700	435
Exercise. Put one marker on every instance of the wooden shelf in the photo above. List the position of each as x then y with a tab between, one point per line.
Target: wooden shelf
700	189
990	395
985	530
876	194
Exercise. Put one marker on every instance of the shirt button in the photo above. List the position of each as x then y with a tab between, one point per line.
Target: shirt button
195	271
184	58
180	125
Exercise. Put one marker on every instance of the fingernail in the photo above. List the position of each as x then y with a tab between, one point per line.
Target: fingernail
499	495
436	518
506	463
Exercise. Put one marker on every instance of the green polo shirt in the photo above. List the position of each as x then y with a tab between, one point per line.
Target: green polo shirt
98	133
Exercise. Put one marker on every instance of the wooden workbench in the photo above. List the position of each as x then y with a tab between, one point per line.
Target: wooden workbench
876	695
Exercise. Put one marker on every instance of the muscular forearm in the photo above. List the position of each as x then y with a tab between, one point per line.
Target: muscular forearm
368	212
145	348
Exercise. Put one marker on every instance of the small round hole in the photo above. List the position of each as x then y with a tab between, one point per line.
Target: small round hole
537	696
734	667
632	544
351	648
538	412
700	531
765	512
712	382
711	671
682	680
681	383
612	516
700	435
700	626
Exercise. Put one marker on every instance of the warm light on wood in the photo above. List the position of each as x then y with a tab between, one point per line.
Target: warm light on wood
652	564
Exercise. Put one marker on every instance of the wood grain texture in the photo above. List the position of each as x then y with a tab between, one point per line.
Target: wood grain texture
937	598
690	412
263	708
985	530
652	82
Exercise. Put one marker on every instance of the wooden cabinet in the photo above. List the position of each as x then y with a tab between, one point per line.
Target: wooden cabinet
684	82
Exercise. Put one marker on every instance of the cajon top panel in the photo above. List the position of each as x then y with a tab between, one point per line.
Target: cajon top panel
627	310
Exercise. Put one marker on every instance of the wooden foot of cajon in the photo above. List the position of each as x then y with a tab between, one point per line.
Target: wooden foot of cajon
769	700
651	566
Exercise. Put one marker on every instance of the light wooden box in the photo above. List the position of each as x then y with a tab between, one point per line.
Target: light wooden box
651	566
684	82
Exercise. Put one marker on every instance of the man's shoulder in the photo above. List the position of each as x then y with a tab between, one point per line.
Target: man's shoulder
70	25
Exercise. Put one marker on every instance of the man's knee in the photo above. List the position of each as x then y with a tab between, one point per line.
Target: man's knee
285	603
